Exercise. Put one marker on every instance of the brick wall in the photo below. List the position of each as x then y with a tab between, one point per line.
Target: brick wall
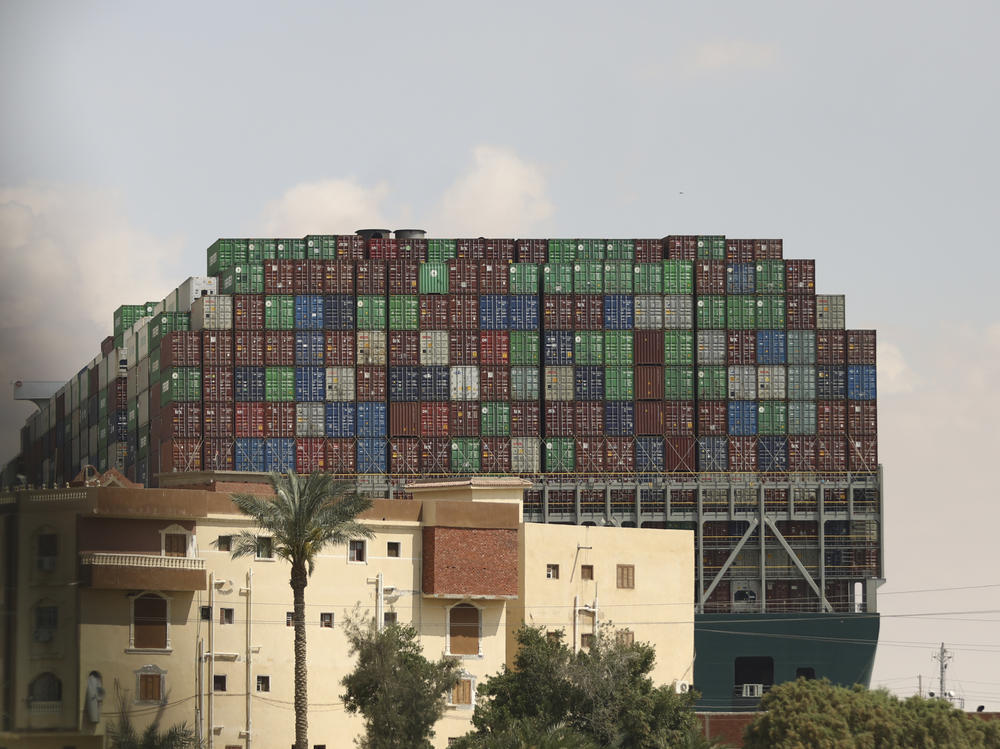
470	561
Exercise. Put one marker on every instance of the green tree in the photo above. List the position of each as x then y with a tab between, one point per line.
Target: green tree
124	734
305	515
399	692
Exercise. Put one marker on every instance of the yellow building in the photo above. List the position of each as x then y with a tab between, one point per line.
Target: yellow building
120	594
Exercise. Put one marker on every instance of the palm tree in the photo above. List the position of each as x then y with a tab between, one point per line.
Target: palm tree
305	515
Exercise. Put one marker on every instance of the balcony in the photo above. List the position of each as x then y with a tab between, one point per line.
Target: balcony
121	571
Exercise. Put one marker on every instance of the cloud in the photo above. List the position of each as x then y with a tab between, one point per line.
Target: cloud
728	55
331	206
501	194
894	375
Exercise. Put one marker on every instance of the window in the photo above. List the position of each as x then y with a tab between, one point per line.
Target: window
462	692
586	641
45	688
224	543
175	544
225	616
265	547
388	618
626	637
626	575
463	630
149	684
326	619
46	622
219	683
586	572
392	549
552	571
149	622
263	683
48	550
356	551
289	618
206	613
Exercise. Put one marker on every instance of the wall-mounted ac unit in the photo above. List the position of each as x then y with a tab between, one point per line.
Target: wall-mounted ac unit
753	690
682	687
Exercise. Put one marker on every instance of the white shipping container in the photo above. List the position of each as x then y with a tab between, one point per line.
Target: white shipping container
711	347
559	383
371	347
340	384
433	348
525	454
649	312
830	311
678	312
132	384
743	383
464	382
212	313
771	382
801	382
142	340
131	347
142	373
194	288
309	419
143	410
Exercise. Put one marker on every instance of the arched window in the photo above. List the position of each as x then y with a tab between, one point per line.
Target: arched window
45	688
175	541
150	684
463	630
150	615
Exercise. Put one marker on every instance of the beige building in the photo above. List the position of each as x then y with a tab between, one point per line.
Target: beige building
115	595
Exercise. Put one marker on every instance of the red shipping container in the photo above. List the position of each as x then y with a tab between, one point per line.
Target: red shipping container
494	347
649	382
740	251
434	312
279	419
94	381
831	417
310	455
463	277
493	250
861	347
678	418
217	348
648	250
741	347
682	248
248	348
315	277
107	345
679	454
179	420
435	456
403	277
217	454
532	250
338	277
559	419
463	346
413	249
710	277
371	383
404	419
800	311
351	247
300	278
463	311
800	277
180	454
712	418
524	419
831	453
370	277
217	384
619	455
217	419
463	418
647	348
494	277
588	311
404	455
279	348
862	454
433	419
494	383
251	420
649	418
383	248
743	454
588	417
404	348
558	312
767	249
181	348
862	418
590	454
831	346
279	276
339	348
341	456
495	455
248	311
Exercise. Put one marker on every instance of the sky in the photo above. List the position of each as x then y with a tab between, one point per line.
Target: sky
132	135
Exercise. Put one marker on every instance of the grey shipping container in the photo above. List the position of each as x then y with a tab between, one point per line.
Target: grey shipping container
525	454
464	383
802	383
830	311
743	383
212	313
524	383
371	347
309	419
801	416
801	346
711	347
433	348
771	382
340	384
678	312
559	383
649	312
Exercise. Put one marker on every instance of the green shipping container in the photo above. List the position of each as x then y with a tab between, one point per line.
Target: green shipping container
560	455
562	250
494	421
525	348
678	277
321	247
588	347
772	417
404	312
371	313
591	249
167	322
770	276
618	278
711	312
801	417
711	248
290	249
242	279
648	278
465	454
433	278
618	348
741	312
557	278
126	316
524	383
440	249
620	249
279	312
154	368
524	278
771	312
619	383
712	383
678	383
279	384
588	277
259	250
678	347
225	253
180	385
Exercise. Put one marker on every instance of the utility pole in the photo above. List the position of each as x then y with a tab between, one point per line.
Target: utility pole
943	657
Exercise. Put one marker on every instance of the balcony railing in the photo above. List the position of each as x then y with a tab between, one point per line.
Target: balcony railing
110	559
45	706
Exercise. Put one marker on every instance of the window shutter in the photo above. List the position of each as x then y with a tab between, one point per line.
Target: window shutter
150	622
464	630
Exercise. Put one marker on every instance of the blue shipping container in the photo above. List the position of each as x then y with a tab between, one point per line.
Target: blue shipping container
619	418
741	278
434	384
493	312
309	348
713	454
588	383
340	419
279	454
743	418
619	312
308	312
310	384
249	454
371	455
249	384
404	383
861	382
831	383
338	312
771	347
649	454
557	348
523	311
772	454
371	420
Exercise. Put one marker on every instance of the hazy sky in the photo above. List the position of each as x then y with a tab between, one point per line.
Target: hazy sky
864	134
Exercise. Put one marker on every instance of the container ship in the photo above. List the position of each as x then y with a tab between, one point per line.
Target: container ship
694	382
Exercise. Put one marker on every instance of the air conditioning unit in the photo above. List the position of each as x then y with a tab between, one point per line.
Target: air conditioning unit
682	687
46	564
753	690
43	635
